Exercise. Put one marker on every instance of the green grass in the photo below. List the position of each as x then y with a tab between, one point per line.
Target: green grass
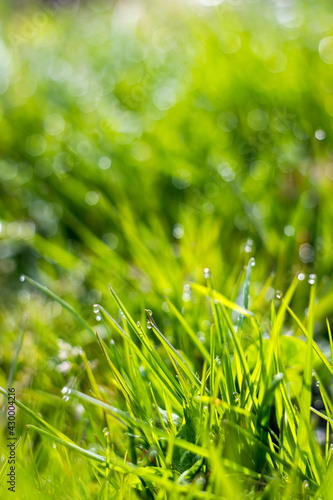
231	417
154	148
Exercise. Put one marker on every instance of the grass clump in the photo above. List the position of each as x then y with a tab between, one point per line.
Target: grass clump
231	417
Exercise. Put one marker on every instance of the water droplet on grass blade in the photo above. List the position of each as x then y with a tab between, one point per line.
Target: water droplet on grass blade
252	262
98	317
22	278
278	294
236	396
305	485
206	273
301	276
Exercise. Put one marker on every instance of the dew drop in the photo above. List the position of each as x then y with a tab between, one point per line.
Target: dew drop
320	135
22	278
236	396
98	317
317	383
252	262
278	294
312	279
149	325
248	246
301	276
148	311
206	273
289	230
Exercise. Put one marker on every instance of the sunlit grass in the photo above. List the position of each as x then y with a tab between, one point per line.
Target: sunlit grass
143	146
231	417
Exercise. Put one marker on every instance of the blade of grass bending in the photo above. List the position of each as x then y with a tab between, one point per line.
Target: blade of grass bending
165	376
62	302
147	473
170	349
258	443
126	313
203	290
34	415
126	390
314	345
321	415
141	335
201	348
140	424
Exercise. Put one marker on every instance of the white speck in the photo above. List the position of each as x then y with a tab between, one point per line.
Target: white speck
64	367
289	230
104	162
306	253
91	198
178	231
312	279
206	273
320	135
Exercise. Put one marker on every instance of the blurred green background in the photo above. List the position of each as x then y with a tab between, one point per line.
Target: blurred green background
143	141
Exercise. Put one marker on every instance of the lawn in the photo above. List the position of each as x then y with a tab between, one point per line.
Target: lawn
166	249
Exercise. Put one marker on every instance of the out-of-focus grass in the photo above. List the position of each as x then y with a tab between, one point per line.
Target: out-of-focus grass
135	133
141	143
